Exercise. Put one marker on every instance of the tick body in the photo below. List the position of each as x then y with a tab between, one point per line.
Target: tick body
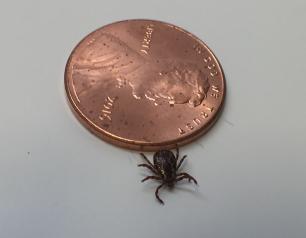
165	168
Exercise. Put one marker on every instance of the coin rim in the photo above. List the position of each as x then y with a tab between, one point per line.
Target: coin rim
140	145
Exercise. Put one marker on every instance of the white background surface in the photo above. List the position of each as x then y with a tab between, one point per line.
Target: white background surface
59	181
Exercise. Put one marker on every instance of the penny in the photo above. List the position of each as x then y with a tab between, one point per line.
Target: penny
144	85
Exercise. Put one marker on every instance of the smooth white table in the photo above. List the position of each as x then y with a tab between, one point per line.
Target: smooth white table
59	181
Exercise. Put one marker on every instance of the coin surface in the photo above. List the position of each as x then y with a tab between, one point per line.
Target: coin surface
144	84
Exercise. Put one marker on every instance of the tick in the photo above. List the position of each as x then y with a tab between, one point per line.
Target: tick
165	169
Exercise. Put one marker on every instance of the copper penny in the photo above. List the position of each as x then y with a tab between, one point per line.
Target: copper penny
144	84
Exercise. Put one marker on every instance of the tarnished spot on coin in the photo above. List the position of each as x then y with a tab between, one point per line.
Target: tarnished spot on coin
144	84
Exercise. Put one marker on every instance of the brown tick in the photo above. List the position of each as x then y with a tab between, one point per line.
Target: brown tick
165	169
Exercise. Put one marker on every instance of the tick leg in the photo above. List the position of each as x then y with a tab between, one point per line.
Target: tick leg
150	177
149	167
147	160
181	178
185	177
189	177
177	153
156	193
181	161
